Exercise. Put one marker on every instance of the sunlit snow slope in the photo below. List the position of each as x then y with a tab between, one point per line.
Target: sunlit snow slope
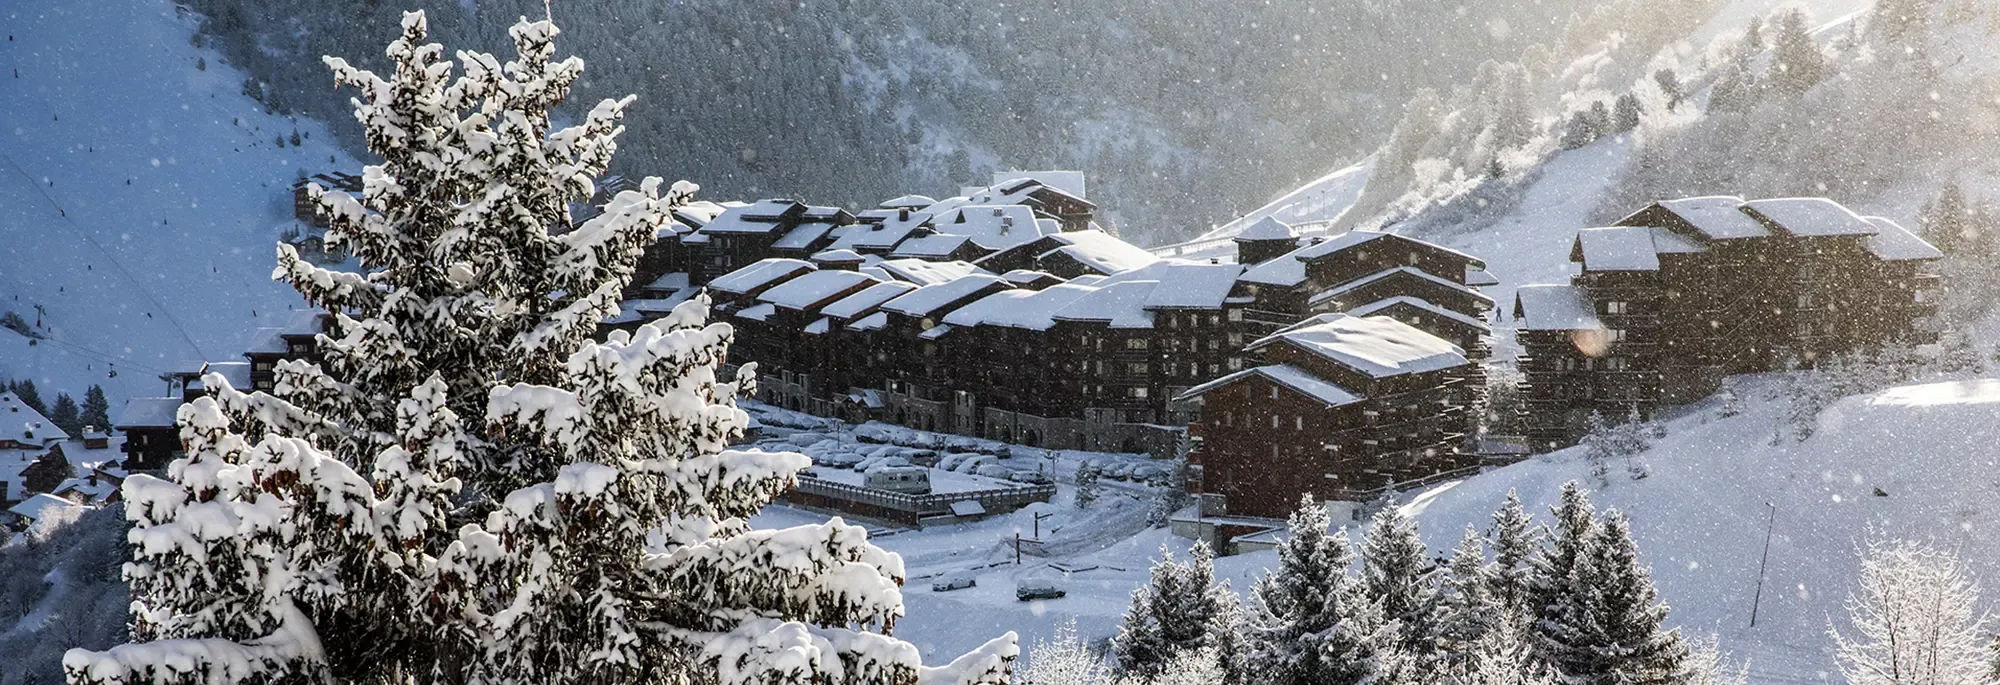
140	196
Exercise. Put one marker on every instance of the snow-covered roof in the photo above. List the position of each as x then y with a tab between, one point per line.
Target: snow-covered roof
270	340
931	246
867	300
1071	182
1355	284
1893	243
1618	248
761	273
935	332
1028	276
1027	309
763	217
928	299
643	308
237	373
1283	270
803	236
674	281
881	229
758	312
21	423
923	272
1102	251
1378	346
40	505
1268	228
819	326
1419	303
1121	304
837	256
1352	239
1812	216
1480	277
1286	375
1719	217
1555	307
772	209
814	288
871	322
1184	285
909	202
993	227
698	213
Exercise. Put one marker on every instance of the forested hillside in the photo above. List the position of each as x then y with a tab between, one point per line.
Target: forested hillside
1180	122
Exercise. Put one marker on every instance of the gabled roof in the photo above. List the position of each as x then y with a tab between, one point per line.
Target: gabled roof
923	272
1025	309
1811	217
1379	306
1628	248
761	273
871	322
881	229
763	217
1356	284
21	423
931	246
147	412
1184	285
927	300
40	505
867	300
758	312
1479	277
1267	228
1551	307
1286	375
1352	239
1377	346
993	227
1028	276
803	236
837	256
1121	304
1717	217
1893	243
237	373
814	289
1101	251
908	202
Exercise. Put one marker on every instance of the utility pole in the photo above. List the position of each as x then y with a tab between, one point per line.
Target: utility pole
1038	525
1017	549
1758	598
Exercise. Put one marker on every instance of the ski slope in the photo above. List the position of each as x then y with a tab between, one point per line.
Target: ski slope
140	196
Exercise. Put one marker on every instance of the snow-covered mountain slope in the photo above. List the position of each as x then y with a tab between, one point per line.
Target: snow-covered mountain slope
1324	199
140	196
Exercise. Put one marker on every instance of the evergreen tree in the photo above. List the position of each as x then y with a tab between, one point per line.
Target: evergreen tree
1396	576
1514	546
1599	447
1087	487
1467	609
1625	115
96	410
1175	615
1732	404
1582	130
469	488
1797	63
1670	84
67	416
1946	220
29	396
1635	649
1559	587
1308	624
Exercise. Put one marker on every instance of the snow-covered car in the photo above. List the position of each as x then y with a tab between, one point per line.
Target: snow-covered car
915	480
953	581
994	471
1033	477
1039	588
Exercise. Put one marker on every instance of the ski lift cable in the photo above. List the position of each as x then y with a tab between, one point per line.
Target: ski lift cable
141	287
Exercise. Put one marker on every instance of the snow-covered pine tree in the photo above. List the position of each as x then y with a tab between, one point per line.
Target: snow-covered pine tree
1467	609
1732	404
96	410
470	489
1289	606
1600	446
1397	576
1564	634
29	395
1634	648
66	415
1581	130
1226	637
1174	615
1087	487
1796	61
1515	541
1625	113
1174	496
1914	619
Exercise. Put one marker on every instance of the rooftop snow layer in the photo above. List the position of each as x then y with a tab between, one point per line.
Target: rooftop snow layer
993	227
1618	248
22	423
762	217
1033	310
1812	216
1419	303
1351	286
1103	251
931	246
758	312
867	300
1480	277
1719	217
1893	243
923	272
909	202
815	288
1121	304
837	256
1552	307
147	412
1268	228
1187	285
1286	375
871	322
803	236
759	274
927	300
1378	346
237	373
40	505
882	230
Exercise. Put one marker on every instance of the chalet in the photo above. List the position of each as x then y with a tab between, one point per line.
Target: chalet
1070	254
1265	240
152	439
297	339
1338	407
1682	293
305	209
24	472
23	428
38	507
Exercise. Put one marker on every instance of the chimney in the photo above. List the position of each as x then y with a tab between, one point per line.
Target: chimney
903	214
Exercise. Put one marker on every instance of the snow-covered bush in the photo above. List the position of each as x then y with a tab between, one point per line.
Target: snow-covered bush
1914	619
468	488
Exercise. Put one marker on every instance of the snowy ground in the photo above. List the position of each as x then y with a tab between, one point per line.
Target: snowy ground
140	196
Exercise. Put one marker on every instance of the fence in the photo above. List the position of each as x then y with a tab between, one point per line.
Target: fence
907	508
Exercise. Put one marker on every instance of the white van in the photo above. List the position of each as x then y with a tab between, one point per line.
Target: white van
915	480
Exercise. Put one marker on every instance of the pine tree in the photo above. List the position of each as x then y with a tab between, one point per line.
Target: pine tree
1670	84
1797	63
1625	115
1732	404
1600	446
1467	609
469	488
67	416
1514	546
96	410
1635	649
1559	588
1087	487
25	390
1397	576
1063	659
1226	637
1582	130
1946	219
1295	605
1175	615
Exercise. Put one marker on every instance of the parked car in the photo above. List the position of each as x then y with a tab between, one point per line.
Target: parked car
953	581
1039	588
1031	477
915	480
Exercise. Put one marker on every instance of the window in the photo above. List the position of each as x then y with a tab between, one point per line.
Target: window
1229	418
1274	395
1235	363
1805	300
1135	343
1414	257
1274	420
1138	393
1617	335
1615	307
1215	319
1214	345
1136	368
1236	340
263	367
1235	315
1614	364
1299	423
